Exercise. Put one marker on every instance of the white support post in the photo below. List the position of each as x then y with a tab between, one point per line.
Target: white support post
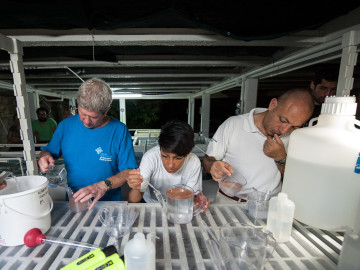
122	110
191	109
249	91
205	115
348	61
72	105
23	111
34	104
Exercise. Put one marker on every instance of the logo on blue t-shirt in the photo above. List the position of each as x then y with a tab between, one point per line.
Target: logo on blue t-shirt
103	156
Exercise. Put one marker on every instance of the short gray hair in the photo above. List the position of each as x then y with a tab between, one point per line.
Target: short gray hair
94	95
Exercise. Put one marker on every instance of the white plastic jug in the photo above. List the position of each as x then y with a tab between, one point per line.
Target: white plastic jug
139	253
280	217
24	208
321	175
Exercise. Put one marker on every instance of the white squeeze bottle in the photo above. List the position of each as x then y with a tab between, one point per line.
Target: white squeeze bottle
139	253
280	217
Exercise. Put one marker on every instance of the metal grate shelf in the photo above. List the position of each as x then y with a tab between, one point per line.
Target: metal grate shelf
177	246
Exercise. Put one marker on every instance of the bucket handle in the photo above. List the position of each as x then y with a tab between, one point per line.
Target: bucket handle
51	203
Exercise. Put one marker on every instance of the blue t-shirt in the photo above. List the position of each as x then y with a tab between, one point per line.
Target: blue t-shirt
92	155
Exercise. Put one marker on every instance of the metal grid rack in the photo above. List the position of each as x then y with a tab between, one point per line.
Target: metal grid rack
177	246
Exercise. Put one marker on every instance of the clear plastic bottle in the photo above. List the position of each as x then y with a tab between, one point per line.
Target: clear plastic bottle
139	253
280	217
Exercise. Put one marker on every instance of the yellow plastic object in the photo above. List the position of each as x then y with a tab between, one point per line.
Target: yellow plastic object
106	258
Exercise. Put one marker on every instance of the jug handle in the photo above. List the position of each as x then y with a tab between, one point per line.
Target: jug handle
270	239
51	204
215	252
312	120
201	208
103	215
357	122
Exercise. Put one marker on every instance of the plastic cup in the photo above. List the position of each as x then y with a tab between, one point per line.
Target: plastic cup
258	204
78	206
56	174
230	187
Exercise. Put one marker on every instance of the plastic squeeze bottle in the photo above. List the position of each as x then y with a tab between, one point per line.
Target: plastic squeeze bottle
139	253
280	217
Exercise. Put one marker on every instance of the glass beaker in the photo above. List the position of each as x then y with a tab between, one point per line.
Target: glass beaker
240	243
180	206
56	174
258	204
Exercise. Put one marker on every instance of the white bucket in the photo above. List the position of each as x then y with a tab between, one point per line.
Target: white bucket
21	211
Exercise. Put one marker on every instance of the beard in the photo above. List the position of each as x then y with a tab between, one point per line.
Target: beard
42	119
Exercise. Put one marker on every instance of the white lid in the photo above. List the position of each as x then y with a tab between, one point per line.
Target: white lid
339	105
282	196
139	237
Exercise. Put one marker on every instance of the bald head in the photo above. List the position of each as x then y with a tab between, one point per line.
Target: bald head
299	97
291	110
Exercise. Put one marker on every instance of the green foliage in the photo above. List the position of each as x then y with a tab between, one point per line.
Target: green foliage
143	113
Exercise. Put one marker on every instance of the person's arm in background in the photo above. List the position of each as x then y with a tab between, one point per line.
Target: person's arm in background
37	136
13	139
54	127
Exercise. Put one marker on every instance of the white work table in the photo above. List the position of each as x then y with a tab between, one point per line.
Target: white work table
177	246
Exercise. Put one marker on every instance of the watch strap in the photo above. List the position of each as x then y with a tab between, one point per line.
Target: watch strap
108	183
281	162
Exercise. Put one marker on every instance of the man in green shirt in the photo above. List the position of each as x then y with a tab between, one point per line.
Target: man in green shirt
44	127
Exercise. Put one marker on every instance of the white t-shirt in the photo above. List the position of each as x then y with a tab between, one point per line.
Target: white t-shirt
153	171
240	143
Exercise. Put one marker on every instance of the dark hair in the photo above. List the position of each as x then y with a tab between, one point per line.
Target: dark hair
177	137
42	109
330	74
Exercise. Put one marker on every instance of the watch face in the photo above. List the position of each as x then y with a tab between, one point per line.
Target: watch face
108	184
281	162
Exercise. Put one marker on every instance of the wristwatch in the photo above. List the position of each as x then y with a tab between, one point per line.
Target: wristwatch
108	183
281	162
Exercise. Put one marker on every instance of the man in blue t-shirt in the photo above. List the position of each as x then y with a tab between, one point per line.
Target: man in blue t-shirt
96	148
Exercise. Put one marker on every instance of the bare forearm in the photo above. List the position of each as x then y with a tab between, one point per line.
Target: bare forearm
208	162
119	179
135	196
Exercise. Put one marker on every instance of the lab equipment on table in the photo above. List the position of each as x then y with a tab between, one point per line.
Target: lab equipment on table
258	204
118	221
35	237
139	253
321	168
280	217
97	259
231	186
25	204
78	206
245	244
179	206
56	174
